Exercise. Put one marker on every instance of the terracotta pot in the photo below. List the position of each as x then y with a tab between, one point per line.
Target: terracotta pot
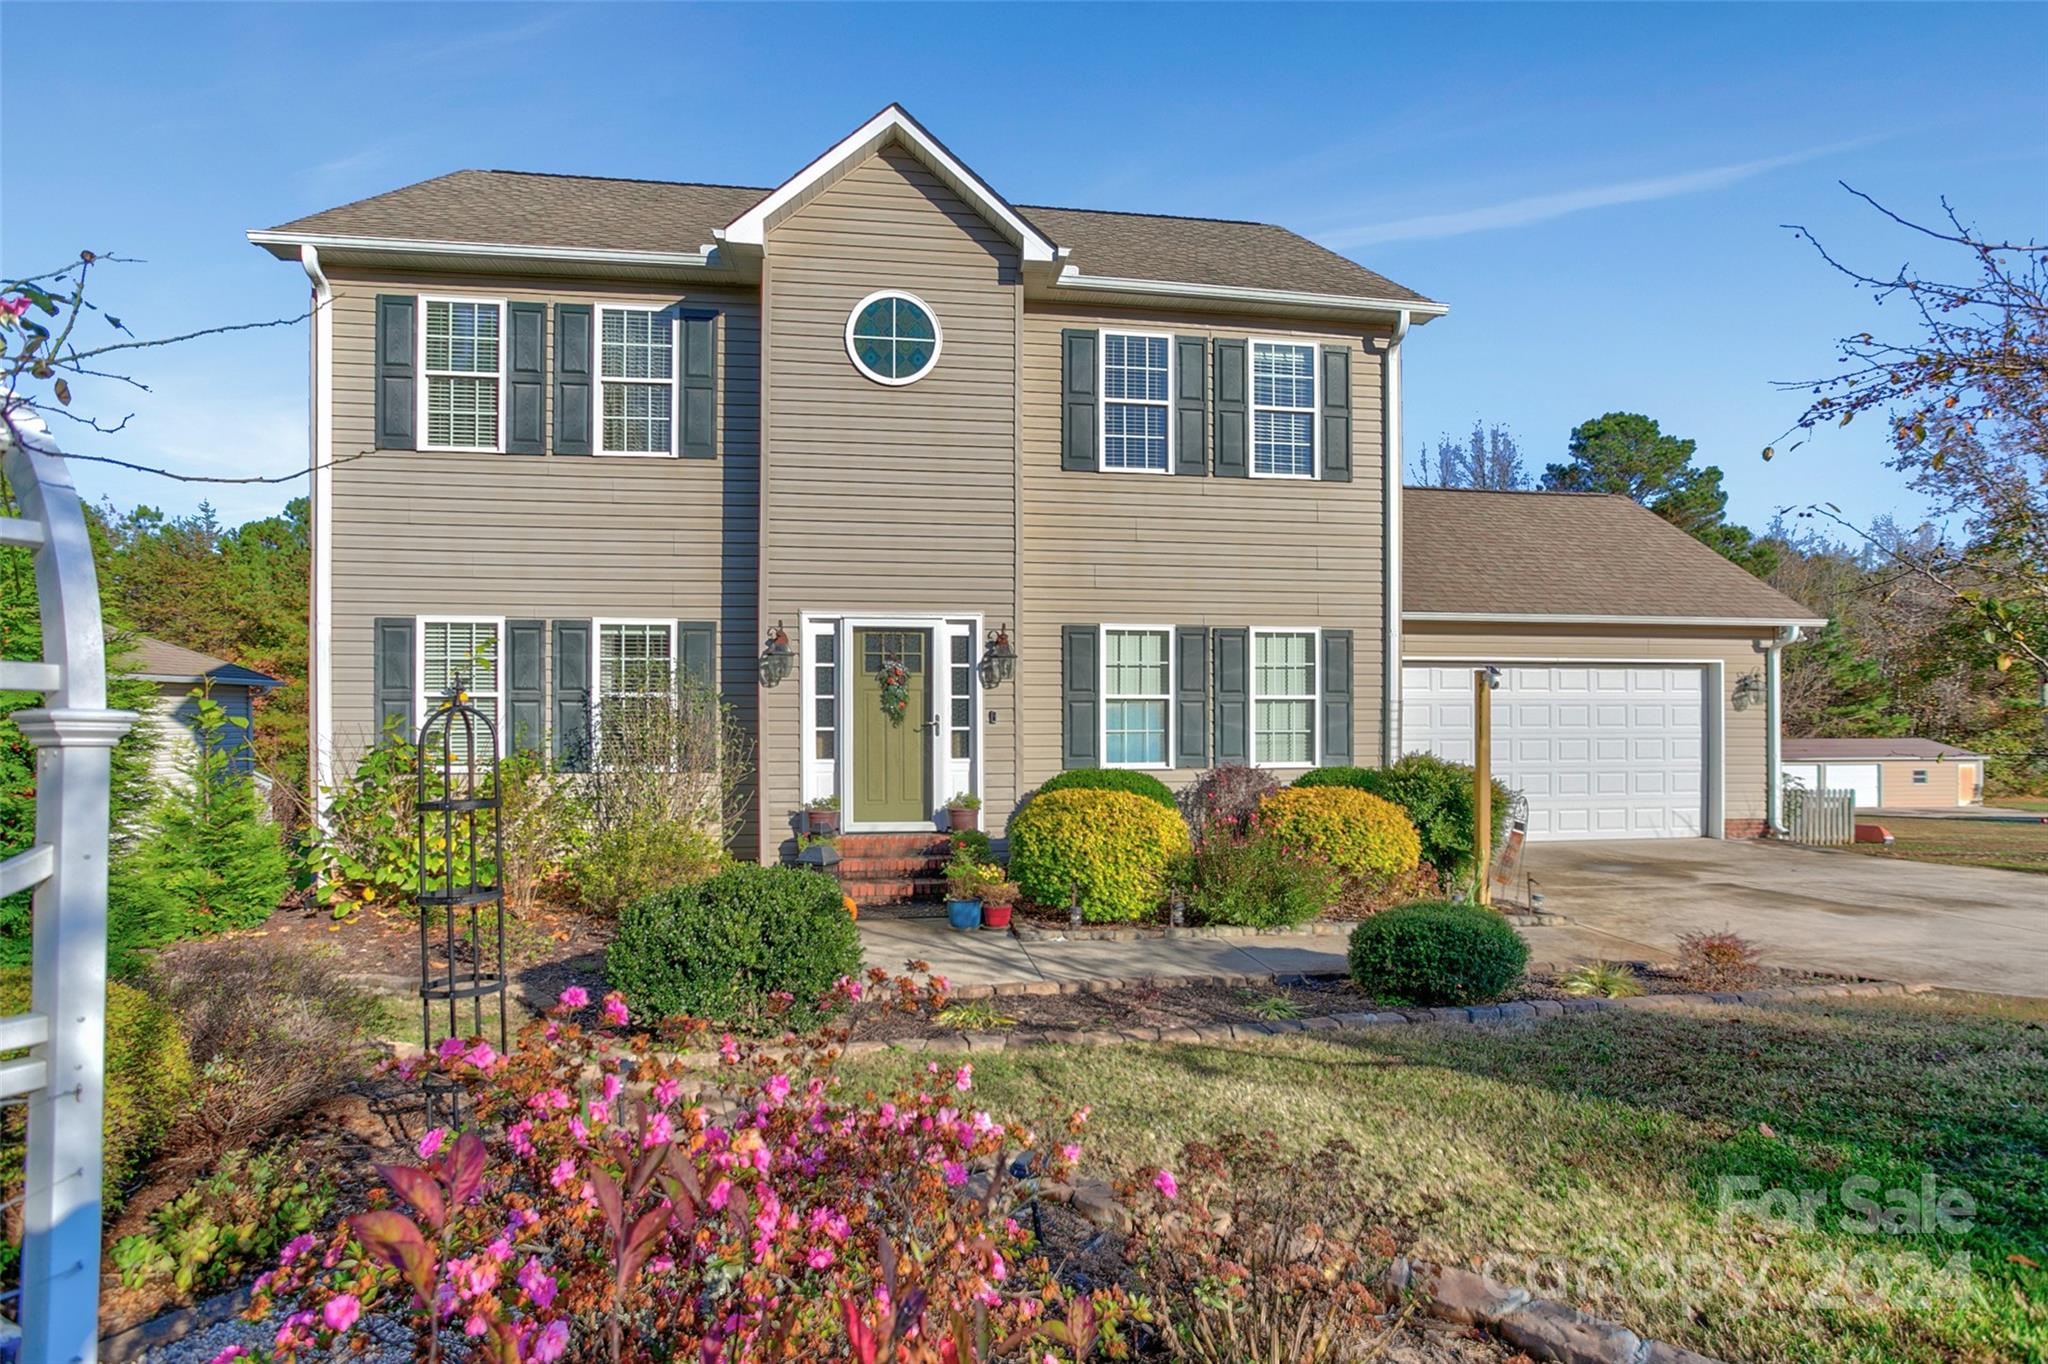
960	821
821	823
995	916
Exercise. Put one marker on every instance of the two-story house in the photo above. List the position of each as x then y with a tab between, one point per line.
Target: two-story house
1065	487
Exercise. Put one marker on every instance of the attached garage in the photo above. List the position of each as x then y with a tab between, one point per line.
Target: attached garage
1597	752
1636	664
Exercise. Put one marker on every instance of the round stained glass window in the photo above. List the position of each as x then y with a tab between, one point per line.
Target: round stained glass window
893	337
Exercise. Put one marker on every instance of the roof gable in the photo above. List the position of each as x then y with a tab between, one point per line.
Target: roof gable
893	125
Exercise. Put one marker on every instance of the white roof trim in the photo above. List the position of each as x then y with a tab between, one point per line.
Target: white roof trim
1538	619
1072	278
751	227
705	257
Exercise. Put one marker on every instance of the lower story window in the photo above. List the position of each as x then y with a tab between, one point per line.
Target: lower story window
825	692
460	654
1284	698
1136	691
960	724
635	685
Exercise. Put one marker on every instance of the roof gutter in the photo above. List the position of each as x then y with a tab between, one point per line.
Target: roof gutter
1401	309
1592	618
1390	545
288	244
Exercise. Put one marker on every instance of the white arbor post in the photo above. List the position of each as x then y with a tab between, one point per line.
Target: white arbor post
63	1077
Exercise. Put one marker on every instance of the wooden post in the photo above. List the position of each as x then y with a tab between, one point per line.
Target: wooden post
1482	786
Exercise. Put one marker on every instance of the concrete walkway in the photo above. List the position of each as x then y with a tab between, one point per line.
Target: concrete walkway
987	958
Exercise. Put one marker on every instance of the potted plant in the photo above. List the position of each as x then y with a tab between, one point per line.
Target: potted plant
963	811
998	896
821	816
964	883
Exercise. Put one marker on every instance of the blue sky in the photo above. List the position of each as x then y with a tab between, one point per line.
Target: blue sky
1596	191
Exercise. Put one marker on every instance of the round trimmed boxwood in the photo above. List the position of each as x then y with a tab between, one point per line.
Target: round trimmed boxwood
1118	848
1358	834
1436	793
1112	779
1437	952
721	948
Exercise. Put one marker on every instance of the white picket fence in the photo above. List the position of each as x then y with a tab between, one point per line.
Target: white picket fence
1824	819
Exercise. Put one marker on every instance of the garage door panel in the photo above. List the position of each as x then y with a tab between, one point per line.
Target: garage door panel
1597	752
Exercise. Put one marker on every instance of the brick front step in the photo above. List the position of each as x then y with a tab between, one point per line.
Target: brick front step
854	846
930	889
889	868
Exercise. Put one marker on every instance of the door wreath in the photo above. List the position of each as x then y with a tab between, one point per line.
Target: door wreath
895	680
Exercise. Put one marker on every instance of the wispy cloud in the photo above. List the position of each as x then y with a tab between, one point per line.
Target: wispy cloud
1539	208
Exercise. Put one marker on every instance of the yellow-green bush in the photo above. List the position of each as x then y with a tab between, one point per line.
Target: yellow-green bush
1117	847
149	1081
1357	833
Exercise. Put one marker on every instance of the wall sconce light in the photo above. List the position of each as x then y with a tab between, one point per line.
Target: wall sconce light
1749	689
998	659
1492	678
777	659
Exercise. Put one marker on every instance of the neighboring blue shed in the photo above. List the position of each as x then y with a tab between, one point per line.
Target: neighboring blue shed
178	673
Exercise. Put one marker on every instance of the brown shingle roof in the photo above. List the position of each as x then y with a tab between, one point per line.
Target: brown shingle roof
520	208
1810	750
1568	554
161	661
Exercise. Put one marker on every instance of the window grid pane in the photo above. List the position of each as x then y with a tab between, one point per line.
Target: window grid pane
461	345
462	412
1286	732
1135	685
1136	733
462	338
825	685
633	660
468	650
1283	409
895	338
1136	386
962	706
1284	698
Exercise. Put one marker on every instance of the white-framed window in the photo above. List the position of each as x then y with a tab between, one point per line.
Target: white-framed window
825	694
1137	696
894	337
1283	409
1137	398
1919	776
462	364
468	649
960	695
633	673
636	380
1284	697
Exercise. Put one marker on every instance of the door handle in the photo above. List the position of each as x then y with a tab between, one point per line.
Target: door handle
931	726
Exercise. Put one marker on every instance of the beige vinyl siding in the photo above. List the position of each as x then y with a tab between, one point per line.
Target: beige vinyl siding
1744	798
1102	547
1944	789
541	537
888	500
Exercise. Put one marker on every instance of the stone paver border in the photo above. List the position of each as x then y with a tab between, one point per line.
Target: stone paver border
1544	1329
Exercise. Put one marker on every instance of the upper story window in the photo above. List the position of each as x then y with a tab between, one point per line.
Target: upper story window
1284	698
1283	410
1137	692
636	381
1137	381
893	337
462	359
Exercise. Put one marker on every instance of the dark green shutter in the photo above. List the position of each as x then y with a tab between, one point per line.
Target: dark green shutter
397	371
1078	399
699	398
526	643
393	667
526	379
572	695
1336	422
1191	406
573	389
1080	695
697	648
1233	700
1191	696
1233	412
1338	713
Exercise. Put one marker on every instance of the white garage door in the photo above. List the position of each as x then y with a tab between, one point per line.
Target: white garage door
1599	752
1858	777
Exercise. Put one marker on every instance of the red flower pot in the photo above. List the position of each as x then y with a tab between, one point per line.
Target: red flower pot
995	916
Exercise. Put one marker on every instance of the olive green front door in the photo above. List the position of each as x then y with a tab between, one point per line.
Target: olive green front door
892	756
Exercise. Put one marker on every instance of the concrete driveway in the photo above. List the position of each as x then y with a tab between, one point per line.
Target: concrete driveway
1968	928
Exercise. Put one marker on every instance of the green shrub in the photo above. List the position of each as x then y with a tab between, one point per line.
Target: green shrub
975	842
1357	833
721	948
1118	848
226	1224
1111	779
642	857
1438	798
149	1083
1437	952
1256	882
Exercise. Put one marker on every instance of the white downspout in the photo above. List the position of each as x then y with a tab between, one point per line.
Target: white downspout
320	462
1774	773
1390	539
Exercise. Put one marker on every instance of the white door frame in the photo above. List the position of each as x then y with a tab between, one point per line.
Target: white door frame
938	693
1713	723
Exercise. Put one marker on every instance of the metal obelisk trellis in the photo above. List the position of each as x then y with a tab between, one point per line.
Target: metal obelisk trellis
62	1078
462	894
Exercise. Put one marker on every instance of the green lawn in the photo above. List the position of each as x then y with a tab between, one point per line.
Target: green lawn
1965	843
1585	1155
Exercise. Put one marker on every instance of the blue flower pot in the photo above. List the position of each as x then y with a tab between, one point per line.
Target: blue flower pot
964	915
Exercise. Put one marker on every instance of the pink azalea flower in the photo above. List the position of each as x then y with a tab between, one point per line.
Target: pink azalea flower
963	1078
499	1250
341	1313
659	1132
612	1085
615	1012
476	1325
450	1048
520	1135
230	1355
777	1087
1166	1184
667	1091
600	1111
820	1257
537	1284
564	1173
296	1247
728	1049
575	997
955	1172
997	1270
481	1056
1070	1153
720	1195
431	1142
